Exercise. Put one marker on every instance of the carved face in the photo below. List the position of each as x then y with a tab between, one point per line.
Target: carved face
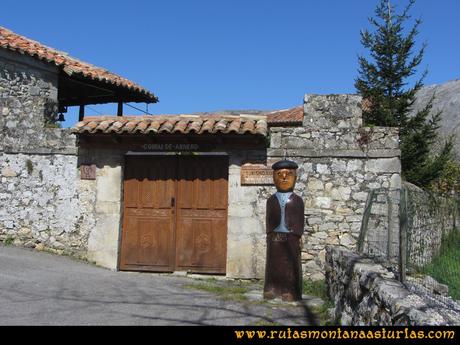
284	179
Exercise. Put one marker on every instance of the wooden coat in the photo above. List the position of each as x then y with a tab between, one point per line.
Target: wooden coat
283	270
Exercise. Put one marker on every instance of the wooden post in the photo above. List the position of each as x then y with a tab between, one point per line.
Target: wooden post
402	235
365	222
120	108
81	113
390	230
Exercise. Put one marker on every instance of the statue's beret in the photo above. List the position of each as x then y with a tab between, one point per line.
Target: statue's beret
284	164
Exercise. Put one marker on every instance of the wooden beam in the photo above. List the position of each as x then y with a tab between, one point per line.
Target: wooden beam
120	108
81	113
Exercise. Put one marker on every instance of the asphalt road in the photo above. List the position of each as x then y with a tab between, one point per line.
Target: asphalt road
39	288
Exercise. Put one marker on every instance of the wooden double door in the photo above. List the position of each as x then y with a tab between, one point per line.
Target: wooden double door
175	214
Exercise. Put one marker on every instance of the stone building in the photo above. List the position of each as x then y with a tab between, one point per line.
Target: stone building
172	192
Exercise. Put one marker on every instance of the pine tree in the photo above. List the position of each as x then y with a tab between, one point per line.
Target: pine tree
383	82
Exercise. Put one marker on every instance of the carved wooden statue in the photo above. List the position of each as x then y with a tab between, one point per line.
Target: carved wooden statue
284	225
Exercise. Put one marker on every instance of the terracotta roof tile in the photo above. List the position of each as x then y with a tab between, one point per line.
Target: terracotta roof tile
23	45
248	126
208	125
195	126
292	116
183	124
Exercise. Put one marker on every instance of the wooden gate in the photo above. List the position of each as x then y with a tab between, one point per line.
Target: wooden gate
175	214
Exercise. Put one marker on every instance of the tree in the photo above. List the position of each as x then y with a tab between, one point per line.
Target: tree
383	82
449	181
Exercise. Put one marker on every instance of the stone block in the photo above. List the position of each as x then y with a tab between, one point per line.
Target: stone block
103	241
320	235
322	202
312	267
317	276
328	187
307	167
241	262
314	184
243	194
24	232
39	247
341	193
354	165
275	140
338	166
8	224
322	169
395	181
347	241
314	220
332	240
343	210
354	218
306	256
335	218
108	184
328	227
8	172
326	111
290	142
383	165
241	210
34	91
108	207
360	196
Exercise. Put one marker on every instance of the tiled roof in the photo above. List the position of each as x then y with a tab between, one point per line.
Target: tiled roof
71	66
292	116
181	124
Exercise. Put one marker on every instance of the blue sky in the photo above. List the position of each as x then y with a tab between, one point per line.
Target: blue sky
206	55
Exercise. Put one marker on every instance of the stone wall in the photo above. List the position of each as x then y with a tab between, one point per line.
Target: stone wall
42	205
365	293
104	235
339	162
246	220
28	100
431	217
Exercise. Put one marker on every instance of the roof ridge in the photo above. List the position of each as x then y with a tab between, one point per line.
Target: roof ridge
281	110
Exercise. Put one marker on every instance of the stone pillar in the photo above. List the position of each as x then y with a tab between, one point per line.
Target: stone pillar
103	241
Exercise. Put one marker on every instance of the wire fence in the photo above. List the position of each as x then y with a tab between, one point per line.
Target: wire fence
416	234
379	234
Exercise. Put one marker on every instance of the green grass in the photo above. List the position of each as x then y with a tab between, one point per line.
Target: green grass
8	241
315	288
225	290
236	290
322	312
318	288
266	323
445	268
